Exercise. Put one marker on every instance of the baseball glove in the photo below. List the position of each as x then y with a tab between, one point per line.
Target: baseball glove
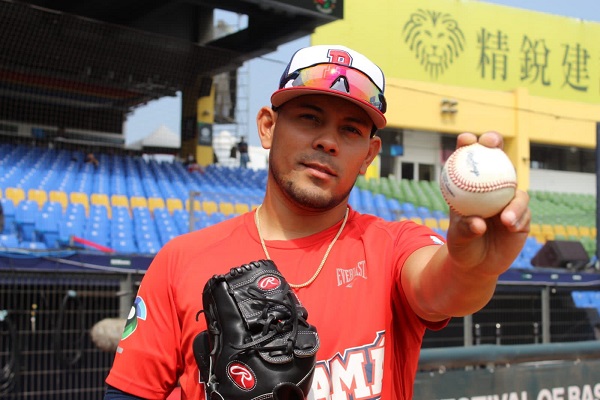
258	344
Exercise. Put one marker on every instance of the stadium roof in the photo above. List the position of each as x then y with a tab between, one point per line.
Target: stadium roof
103	59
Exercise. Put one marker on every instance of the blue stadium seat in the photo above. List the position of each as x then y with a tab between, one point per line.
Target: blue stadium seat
125	246
26	214
33	245
8	207
46	230
9	240
581	298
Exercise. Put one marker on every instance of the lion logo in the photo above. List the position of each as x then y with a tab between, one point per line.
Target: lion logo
435	38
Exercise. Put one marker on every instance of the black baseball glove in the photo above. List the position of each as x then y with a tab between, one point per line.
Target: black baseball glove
258	344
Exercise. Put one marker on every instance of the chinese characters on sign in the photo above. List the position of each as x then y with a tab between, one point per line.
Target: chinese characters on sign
437	41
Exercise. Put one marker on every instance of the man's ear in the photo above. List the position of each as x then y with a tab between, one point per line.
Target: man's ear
374	147
265	122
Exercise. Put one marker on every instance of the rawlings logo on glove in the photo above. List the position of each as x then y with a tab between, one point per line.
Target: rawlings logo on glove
258	343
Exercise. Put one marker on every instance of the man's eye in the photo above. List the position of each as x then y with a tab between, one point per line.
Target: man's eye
353	130
309	117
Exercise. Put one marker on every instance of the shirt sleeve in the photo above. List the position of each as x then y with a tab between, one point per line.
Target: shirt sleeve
412	238
149	357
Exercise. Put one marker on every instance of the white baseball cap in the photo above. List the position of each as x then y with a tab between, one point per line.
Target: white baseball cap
338	71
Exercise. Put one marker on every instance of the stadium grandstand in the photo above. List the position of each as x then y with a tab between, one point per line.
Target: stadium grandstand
83	215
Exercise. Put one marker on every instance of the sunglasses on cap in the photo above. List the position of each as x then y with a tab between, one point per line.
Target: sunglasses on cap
338	78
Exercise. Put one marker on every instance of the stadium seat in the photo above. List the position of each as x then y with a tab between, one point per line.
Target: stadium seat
197	205
585	231
37	195
572	232
431	223
210	207
560	232
174	204
46	230
9	240
125	246
156	202
119	200
226	208
60	197
241	208
15	194
444	223
582	299
8	208
101	199
80	198
138	201
33	245
25	216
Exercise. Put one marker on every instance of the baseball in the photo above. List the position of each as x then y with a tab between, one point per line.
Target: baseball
478	180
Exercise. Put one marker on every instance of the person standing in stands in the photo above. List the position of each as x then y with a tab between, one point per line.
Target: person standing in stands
242	147
371	287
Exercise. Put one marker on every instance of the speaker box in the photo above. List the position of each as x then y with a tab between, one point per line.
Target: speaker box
561	254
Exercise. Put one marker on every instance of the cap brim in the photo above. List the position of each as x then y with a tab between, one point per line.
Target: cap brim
286	94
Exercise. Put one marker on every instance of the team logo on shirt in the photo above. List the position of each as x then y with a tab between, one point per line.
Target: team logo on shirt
138	311
355	373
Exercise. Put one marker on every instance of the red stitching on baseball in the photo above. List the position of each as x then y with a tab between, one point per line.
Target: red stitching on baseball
480	187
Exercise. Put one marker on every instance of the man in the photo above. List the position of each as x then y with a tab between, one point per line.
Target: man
242	147
371	287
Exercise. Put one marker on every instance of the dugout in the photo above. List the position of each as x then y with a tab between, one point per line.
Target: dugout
70	74
79	68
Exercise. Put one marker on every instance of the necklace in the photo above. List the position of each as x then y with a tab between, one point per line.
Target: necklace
312	279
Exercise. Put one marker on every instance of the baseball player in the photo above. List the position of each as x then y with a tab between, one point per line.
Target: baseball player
370	287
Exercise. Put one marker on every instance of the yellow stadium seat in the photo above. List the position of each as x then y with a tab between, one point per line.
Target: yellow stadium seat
585	231
255	206
60	197
80	198
444	223
431	223
539	237
210	206
417	220
572	232
15	194
101	199
156	202
138	201
174	204
226	207
560	232
38	195
119	200
241	208
548	231
535	229
197	205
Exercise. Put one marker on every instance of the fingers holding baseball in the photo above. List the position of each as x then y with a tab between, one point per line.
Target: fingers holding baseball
516	216
487	139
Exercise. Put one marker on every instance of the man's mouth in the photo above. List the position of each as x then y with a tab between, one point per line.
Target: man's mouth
323	168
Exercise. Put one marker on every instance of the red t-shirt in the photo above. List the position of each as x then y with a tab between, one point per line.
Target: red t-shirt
370	337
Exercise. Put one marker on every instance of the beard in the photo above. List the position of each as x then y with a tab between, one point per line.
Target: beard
308	197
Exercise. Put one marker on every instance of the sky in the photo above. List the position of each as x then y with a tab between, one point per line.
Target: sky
263	73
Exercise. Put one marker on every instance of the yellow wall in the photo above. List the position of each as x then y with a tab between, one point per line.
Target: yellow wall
474	44
522	111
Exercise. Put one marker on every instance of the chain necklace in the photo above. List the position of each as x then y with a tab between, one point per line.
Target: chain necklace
311	280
